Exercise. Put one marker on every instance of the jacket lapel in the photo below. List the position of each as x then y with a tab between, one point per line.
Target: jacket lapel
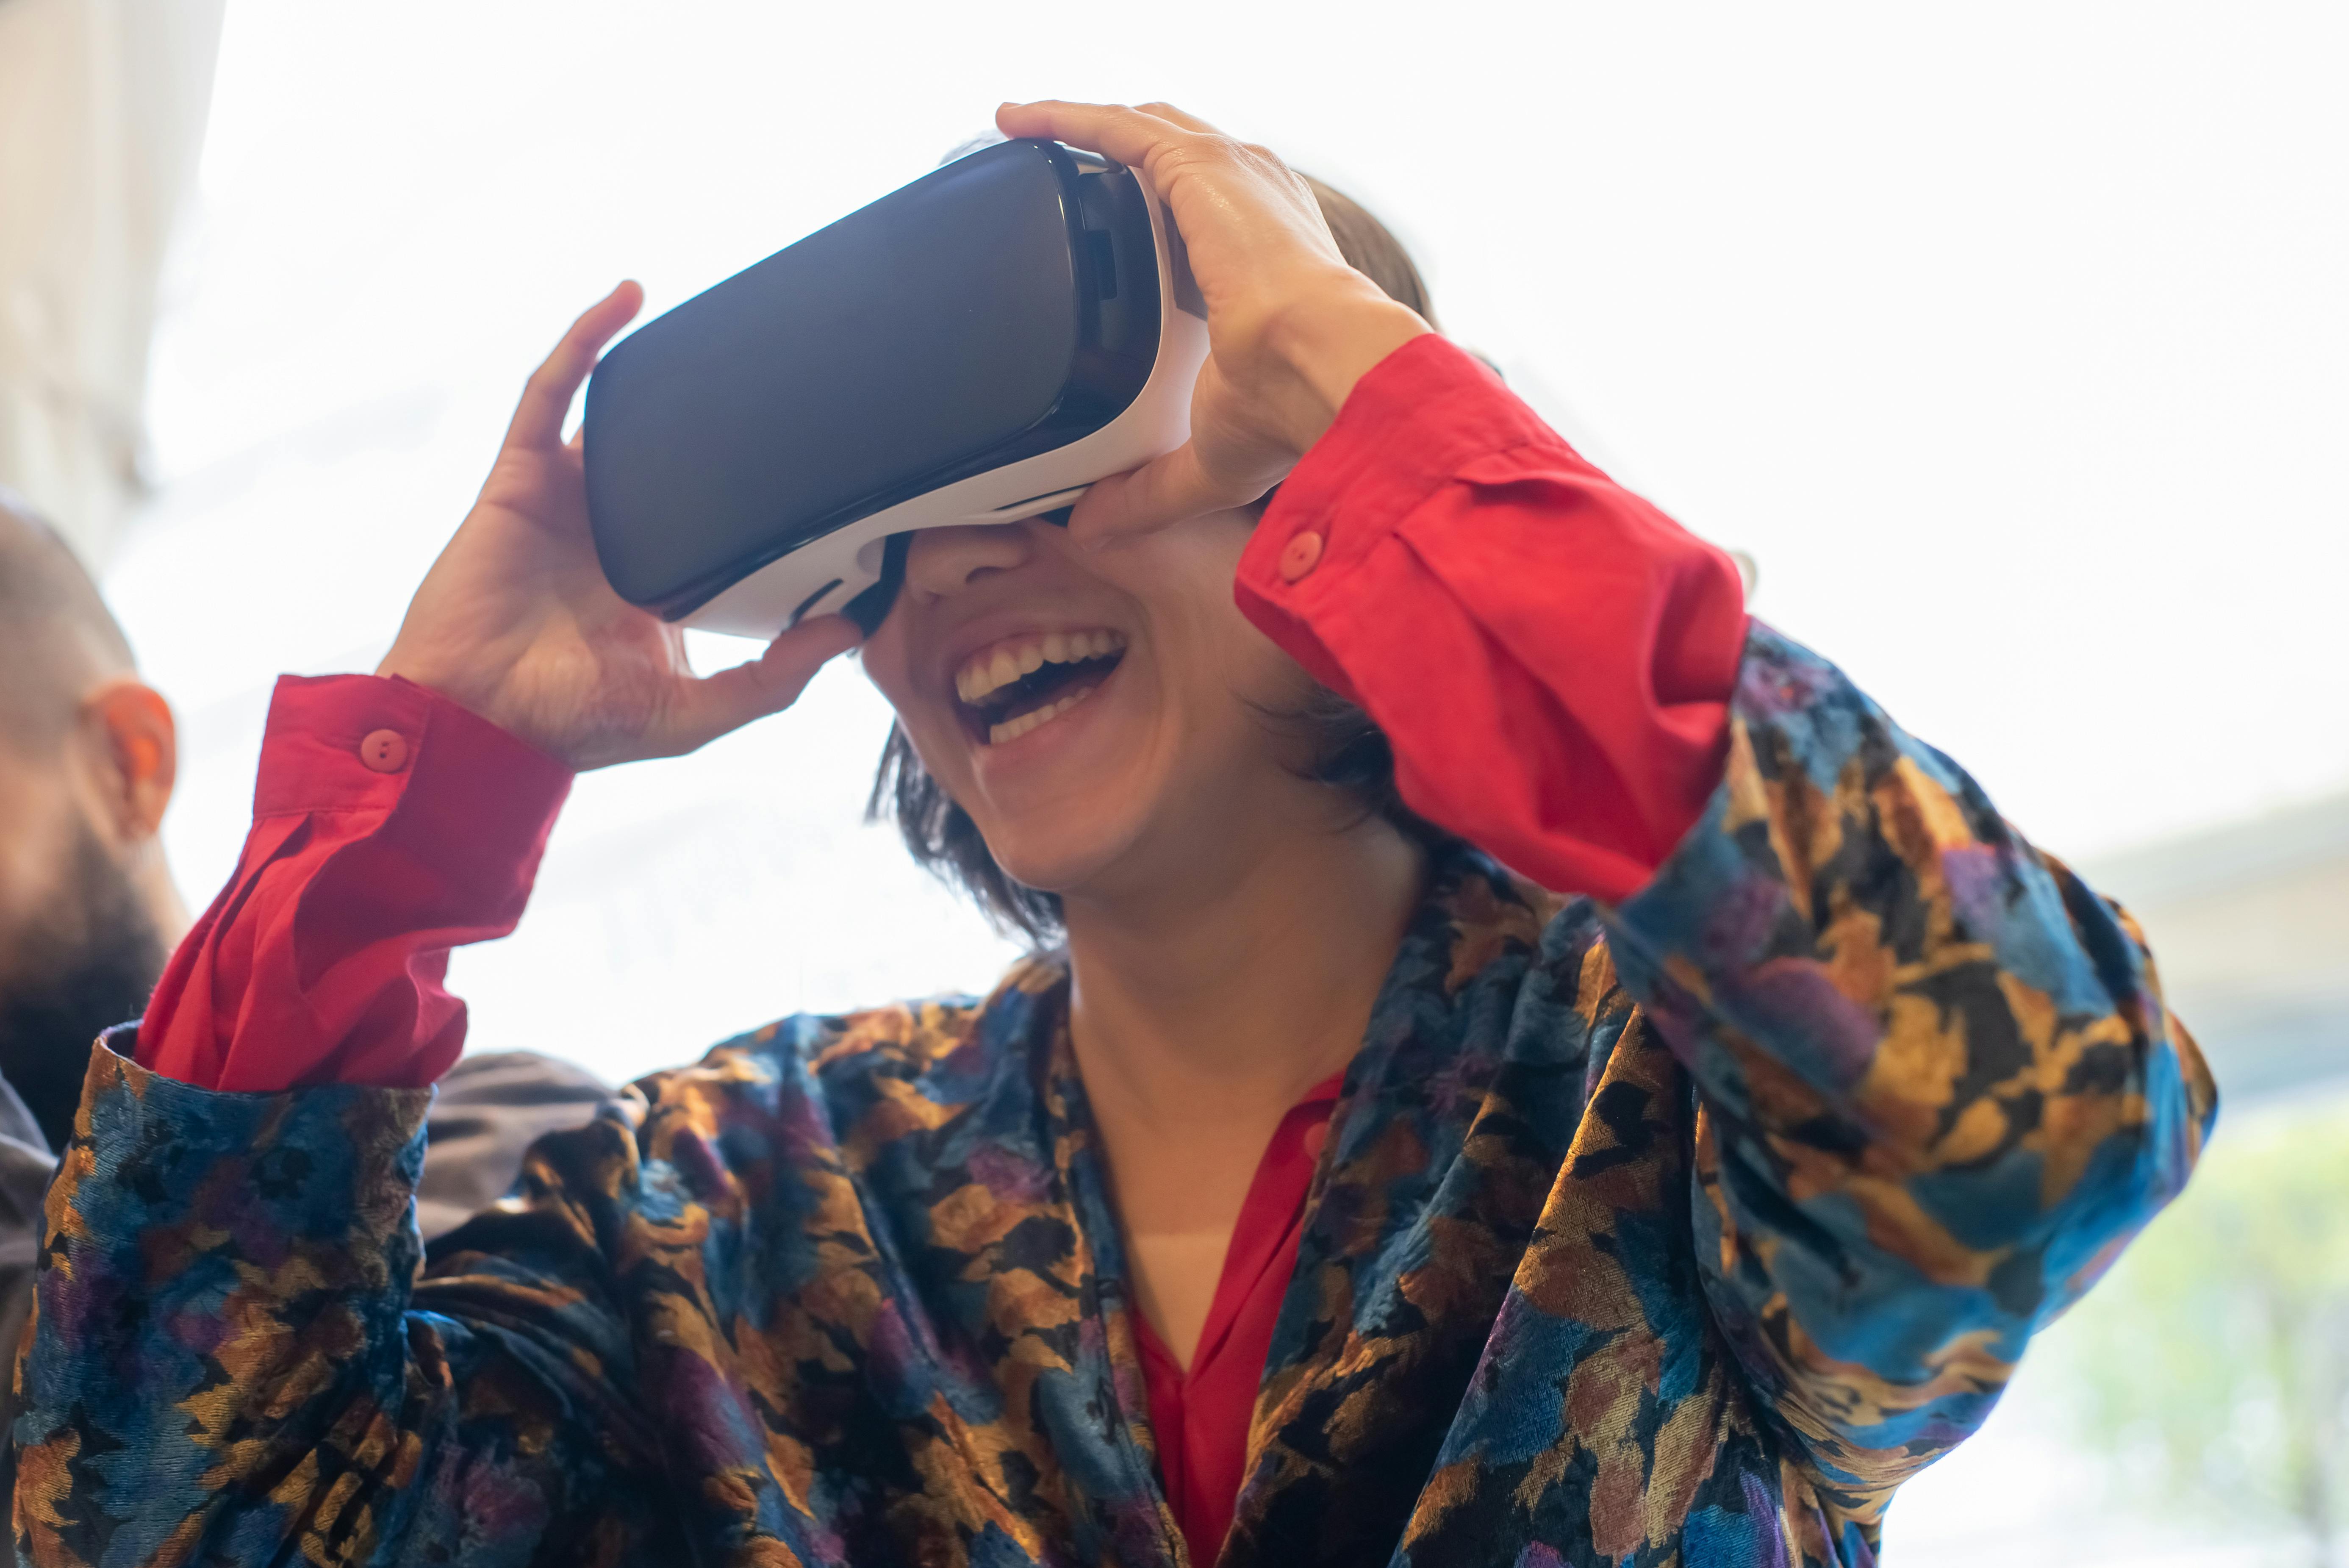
1445	1142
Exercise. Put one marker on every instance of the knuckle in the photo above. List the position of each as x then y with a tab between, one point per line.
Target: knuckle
1273	163
1210	150
1170	160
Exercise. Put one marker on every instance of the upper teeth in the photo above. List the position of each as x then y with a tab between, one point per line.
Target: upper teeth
1007	662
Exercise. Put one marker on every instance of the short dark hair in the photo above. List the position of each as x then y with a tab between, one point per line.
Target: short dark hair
55	633
1342	747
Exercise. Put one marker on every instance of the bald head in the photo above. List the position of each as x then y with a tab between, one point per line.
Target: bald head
57	638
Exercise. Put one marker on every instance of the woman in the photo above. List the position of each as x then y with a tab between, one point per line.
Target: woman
1335	1197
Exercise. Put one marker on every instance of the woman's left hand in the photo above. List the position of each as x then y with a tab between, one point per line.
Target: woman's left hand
1291	326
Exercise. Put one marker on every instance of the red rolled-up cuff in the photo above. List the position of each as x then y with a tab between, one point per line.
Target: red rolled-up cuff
1549	655
389	825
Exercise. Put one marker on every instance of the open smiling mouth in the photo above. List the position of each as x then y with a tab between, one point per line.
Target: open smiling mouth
1023	682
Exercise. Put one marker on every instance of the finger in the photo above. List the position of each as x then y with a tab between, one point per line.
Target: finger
1161	492
1191	122
1127	135
716	705
546	396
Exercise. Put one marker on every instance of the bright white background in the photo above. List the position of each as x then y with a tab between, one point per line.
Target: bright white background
2009	338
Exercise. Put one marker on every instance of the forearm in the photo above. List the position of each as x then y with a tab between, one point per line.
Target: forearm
264	1243
223	1339
1938	1087
389	826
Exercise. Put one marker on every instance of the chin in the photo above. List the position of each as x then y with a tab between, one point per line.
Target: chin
1064	851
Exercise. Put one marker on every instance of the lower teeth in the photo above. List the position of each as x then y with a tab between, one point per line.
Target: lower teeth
1012	729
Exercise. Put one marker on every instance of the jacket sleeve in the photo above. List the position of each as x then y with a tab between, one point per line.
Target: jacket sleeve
1937	1089
231	1359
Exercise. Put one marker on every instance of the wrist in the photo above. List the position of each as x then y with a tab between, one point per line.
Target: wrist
1325	341
452	682
436	682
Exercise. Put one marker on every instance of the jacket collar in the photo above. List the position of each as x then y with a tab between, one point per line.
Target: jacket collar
1361	1357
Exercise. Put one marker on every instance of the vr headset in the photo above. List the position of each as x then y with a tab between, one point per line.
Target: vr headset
977	347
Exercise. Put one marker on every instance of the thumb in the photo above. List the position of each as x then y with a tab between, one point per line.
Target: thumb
718	704
1164	491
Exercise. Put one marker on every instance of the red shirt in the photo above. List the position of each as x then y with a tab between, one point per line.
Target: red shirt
1201	1419
1505	612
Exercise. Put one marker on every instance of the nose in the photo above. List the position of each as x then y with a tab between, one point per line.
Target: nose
943	561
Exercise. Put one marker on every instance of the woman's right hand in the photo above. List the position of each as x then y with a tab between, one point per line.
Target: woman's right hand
1291	326
516	622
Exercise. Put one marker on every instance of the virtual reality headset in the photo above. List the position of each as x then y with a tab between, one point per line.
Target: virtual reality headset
977	347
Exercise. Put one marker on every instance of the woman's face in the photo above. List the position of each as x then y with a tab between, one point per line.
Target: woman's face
1101	715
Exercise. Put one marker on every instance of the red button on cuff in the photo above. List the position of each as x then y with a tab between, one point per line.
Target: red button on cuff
385	750
1315	1137
1300	556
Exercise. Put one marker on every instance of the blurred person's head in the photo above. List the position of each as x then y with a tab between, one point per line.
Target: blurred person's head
1076	725
87	757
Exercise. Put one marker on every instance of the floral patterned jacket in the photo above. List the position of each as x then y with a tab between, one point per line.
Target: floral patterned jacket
1675	1232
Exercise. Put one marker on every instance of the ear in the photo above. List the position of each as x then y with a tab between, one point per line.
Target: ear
137	754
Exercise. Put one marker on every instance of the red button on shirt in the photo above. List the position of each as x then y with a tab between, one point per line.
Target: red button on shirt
1299	557
384	751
